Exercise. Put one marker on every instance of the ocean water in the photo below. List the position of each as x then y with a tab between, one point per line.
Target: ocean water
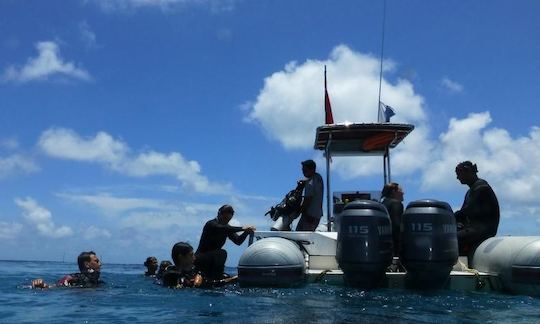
128	296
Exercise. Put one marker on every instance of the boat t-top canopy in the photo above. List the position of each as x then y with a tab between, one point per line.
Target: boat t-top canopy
360	139
375	139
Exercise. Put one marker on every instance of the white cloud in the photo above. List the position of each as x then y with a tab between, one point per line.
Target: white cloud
93	232
16	163
288	111
145	213
41	218
9	143
48	63
88	36
114	154
451	86
66	144
9	230
511	165
112	205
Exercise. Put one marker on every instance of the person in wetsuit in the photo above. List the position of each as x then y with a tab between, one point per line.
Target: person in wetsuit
210	256
184	274
311	207
392	199
90	268
478	218
162	267
151	265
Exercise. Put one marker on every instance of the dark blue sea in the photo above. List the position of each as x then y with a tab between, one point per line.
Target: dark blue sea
128	296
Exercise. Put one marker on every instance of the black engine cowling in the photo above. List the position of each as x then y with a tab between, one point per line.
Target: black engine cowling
364	244
429	243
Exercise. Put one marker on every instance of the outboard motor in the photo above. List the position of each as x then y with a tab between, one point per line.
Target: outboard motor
429	243
514	259
364	243
272	261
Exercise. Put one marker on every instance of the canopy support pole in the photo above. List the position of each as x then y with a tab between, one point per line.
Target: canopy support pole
328	201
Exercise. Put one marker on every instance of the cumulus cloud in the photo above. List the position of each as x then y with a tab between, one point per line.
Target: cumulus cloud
16	163
510	164
41	218
116	155
48	63
66	144
288	112
9	230
451	86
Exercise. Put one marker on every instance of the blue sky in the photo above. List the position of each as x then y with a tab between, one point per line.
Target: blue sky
125	124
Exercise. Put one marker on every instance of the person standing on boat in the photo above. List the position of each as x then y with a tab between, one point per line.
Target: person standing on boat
312	204
392	199
210	256
478	218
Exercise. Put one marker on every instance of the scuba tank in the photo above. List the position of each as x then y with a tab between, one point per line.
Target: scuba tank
284	213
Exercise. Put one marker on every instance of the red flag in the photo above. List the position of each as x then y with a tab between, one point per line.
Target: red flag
329	119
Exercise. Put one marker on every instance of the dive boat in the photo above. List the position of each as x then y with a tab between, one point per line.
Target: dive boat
356	248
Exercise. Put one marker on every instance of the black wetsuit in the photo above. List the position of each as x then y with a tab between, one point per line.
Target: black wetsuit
395	211
210	257
479	216
175	278
82	280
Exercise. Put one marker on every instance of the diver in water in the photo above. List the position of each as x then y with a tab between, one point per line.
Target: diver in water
392	199
210	256
151	265
90	268
478	218
311	207
184	274
162	266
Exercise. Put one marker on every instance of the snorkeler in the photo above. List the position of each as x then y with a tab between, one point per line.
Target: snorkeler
184	274
151	265
210	256
478	218
90	268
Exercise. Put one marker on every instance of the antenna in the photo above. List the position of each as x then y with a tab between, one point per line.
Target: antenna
382	55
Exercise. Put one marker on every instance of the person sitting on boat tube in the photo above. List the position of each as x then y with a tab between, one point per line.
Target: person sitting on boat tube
90	268
210	256
311	207
478	218
151	265
184	274
392	199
